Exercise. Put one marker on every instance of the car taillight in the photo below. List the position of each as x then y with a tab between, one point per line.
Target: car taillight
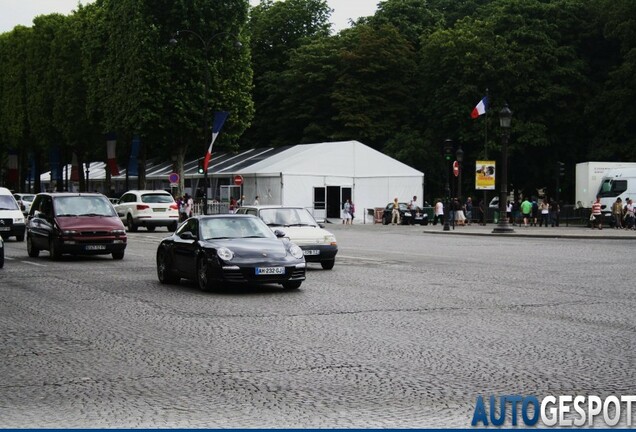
142	207
174	207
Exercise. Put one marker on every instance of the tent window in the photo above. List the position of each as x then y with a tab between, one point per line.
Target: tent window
319	198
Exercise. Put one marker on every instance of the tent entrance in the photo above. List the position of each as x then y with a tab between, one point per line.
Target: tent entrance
336	197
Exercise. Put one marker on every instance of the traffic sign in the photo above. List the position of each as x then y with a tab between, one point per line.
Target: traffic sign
456	168
173	178
238	180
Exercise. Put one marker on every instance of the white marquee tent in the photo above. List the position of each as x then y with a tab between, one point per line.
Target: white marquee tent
317	176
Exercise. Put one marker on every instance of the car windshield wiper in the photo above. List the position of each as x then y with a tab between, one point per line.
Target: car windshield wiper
92	214
67	215
300	224
218	238
253	236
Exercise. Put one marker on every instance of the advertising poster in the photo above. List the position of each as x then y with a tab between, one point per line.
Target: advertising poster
485	175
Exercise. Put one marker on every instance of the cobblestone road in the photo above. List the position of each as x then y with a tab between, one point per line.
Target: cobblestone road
406	331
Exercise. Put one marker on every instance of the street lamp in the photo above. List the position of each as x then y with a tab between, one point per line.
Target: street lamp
459	155
206	45
448	155
505	117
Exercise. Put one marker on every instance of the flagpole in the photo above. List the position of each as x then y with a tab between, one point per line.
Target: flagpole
486	206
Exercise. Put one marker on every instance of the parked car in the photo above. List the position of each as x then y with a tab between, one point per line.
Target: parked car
11	217
1	252
300	227
229	249
24	201
407	216
148	208
74	223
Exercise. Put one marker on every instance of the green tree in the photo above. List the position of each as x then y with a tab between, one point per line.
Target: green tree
277	29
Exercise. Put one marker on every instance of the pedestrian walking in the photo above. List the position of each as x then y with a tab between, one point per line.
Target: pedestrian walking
346	213
526	212
617	213
544	209
596	216
395	213
439	212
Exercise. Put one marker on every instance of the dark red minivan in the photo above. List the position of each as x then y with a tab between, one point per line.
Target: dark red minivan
74	223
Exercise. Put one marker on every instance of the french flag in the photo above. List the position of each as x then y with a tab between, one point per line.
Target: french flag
111	145
480	108
219	119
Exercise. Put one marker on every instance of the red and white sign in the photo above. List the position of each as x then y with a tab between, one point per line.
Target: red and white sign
173	178
456	168
238	180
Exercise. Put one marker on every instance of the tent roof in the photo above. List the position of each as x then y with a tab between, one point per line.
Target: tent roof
342	158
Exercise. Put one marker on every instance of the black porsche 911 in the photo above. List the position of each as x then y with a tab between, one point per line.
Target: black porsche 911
229	249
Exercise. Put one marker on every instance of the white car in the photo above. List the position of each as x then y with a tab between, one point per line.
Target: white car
299	226
148	208
24	201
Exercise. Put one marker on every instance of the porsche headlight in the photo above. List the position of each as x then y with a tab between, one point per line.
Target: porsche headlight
225	254
295	251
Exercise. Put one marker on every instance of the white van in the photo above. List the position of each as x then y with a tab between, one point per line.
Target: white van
11	217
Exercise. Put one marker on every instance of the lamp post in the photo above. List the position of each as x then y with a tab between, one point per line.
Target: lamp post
459	155
505	117
206	45
448	155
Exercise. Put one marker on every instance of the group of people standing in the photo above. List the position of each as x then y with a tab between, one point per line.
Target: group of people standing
348	212
186	206
460	213
528	212
623	213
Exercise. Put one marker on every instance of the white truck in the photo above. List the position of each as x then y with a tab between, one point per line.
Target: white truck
590	175
617	183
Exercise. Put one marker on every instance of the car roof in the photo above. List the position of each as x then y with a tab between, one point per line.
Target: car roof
72	194
148	191
224	215
273	206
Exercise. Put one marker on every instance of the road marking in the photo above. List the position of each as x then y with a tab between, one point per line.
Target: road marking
34	263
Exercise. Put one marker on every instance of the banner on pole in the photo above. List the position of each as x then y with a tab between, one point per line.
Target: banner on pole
485	175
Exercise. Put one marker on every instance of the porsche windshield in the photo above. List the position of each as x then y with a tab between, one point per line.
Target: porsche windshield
234	227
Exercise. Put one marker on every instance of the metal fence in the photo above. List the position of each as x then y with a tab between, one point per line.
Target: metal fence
213	208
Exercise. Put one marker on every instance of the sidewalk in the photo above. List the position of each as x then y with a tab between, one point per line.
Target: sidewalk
578	232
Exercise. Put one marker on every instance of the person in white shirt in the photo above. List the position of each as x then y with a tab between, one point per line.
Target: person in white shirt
439	212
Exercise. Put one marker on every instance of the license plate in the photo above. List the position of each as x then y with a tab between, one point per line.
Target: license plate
311	252
159	209
5	229
270	270
95	247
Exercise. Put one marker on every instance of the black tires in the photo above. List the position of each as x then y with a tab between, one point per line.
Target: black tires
328	265
151	229
118	255
131	224
203	280
165	273
32	250
54	250
292	285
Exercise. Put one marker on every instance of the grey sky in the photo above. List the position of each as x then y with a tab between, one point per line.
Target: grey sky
22	12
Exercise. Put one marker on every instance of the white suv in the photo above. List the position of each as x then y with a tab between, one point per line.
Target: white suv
148	208
299	226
